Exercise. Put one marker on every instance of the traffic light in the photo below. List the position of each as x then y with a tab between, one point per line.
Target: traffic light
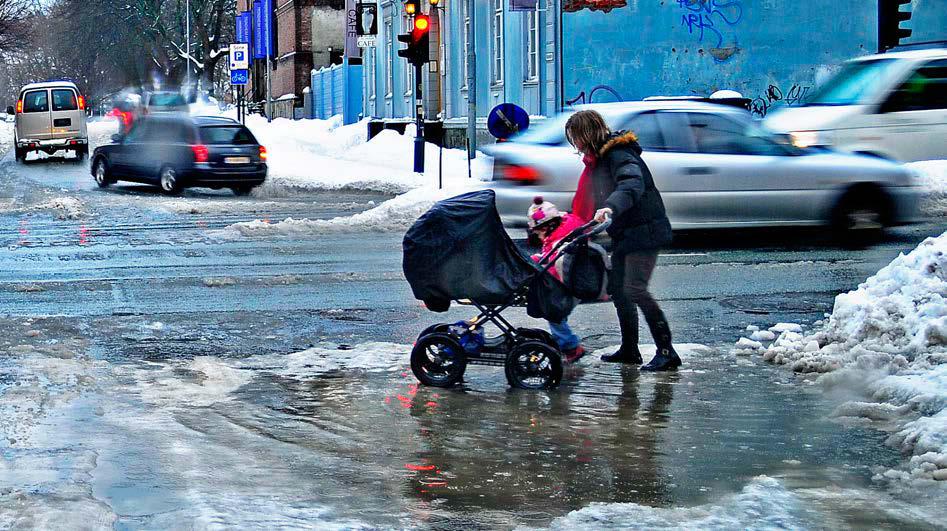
890	18
418	50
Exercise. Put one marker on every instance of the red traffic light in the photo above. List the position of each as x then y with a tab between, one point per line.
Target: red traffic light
422	23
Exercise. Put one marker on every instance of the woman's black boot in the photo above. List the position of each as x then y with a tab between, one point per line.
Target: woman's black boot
628	322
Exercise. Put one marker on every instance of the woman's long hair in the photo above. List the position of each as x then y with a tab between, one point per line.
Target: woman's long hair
587	132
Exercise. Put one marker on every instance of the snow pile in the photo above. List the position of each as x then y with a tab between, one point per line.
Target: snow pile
315	155
6	135
63	207
763	504
318	361
932	174
396	214
888	340
200	382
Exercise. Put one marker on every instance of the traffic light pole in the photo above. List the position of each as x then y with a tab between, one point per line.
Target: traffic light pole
419	113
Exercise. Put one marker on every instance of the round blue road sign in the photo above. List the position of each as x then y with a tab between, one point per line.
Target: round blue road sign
506	120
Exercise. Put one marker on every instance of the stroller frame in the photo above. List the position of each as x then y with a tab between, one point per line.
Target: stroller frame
530	356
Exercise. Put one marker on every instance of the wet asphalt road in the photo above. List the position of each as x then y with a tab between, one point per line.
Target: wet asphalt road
150	381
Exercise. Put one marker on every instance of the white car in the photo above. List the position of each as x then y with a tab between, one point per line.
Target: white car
715	168
892	105
50	117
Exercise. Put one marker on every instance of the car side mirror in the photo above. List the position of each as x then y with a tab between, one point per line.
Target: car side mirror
117	138
10	109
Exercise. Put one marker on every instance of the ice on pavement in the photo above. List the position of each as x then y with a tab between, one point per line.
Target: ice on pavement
887	341
63	207
764	503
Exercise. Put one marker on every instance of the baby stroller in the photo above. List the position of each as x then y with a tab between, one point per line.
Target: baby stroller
459	251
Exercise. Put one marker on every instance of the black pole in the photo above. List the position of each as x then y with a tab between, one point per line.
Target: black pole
419	113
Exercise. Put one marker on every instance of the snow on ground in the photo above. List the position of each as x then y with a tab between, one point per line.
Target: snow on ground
6	135
932	174
313	155
887	341
395	214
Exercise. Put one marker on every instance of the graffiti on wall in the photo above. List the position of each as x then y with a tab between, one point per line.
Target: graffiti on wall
584	98
795	95
708	19
571	6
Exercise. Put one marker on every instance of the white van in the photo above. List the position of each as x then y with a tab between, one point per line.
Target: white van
50	117
891	105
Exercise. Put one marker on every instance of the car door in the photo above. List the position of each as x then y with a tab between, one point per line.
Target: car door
729	173
33	122
123	159
64	113
913	117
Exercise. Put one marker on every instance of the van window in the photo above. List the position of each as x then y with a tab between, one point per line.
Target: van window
924	90
227	135
65	100
853	84
36	101
174	132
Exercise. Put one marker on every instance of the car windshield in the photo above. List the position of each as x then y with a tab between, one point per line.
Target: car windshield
853	84
551	132
227	135
166	100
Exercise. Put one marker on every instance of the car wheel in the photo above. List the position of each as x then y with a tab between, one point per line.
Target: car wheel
241	190
169	181
860	215
101	174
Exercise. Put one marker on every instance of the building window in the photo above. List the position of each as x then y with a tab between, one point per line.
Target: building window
497	42
389	56
532	44
466	42
372	88
407	25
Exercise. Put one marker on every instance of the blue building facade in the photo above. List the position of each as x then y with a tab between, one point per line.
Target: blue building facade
568	52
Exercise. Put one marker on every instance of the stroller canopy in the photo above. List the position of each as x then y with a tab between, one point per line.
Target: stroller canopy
460	250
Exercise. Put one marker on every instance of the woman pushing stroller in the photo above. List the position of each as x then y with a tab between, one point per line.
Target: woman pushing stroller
617	183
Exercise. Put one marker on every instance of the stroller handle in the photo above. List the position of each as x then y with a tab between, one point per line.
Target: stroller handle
578	235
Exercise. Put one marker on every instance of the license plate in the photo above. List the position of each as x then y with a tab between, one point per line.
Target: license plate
236	160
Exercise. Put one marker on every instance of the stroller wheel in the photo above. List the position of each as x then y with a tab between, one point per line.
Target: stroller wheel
534	365
438	360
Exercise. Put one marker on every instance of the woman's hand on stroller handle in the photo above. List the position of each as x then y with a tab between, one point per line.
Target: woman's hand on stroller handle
602	214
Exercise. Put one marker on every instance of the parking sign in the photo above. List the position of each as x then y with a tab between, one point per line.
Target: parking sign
239	56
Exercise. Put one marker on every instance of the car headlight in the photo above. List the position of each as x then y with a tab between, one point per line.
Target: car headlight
805	139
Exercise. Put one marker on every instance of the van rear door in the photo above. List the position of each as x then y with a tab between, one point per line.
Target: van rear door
66	117
34	122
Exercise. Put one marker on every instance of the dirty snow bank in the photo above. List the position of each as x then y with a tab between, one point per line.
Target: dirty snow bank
63	207
888	341
932	174
393	215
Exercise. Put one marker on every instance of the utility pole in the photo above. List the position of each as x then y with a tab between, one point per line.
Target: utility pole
187	37
471	81
269	59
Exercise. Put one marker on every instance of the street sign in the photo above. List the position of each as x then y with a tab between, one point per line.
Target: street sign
239	56
366	18
259	45
506	120
367	41
239	77
244	26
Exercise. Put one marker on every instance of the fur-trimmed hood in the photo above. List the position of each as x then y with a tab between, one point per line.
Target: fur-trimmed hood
621	138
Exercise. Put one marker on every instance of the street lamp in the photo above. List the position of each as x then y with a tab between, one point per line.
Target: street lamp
411	7
434	3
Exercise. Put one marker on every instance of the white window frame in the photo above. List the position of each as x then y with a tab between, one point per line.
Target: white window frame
531	47
497	63
389	56
407	24
466	30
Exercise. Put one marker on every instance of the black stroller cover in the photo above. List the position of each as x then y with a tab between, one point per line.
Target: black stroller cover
459	250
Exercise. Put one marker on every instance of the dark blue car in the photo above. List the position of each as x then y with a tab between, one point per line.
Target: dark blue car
176	152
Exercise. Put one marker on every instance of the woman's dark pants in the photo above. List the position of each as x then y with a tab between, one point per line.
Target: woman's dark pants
628	286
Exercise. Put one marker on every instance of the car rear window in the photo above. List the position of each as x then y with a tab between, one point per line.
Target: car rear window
166	100
65	100
36	101
227	135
